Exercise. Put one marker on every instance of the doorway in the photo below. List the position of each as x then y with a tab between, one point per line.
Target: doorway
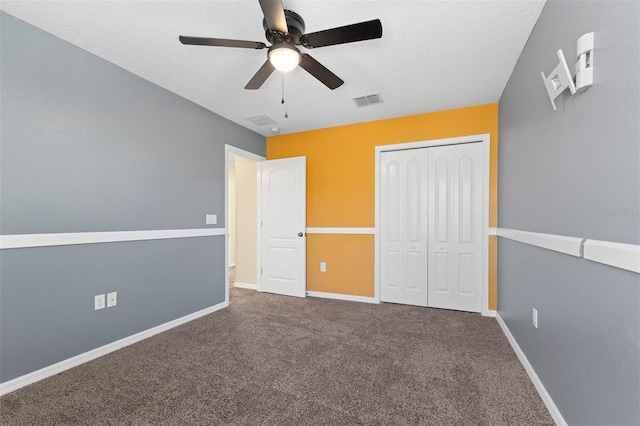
268	229
432	223
242	194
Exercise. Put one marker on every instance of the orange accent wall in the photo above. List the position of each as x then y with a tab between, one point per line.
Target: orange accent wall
350	264
341	176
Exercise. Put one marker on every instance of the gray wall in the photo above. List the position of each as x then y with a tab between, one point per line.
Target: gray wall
87	146
564	172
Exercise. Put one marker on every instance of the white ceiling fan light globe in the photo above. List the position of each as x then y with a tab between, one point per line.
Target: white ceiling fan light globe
284	58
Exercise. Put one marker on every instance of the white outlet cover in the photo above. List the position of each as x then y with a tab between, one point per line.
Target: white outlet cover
535	317
323	267
211	219
98	302
112	299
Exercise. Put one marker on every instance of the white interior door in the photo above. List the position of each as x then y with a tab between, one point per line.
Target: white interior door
403	228
455	228
283	226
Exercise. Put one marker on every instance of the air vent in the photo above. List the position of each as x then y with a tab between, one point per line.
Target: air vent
261	120
368	100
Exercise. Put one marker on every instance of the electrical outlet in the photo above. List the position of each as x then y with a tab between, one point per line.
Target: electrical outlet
211	219
535	317
112	299
323	267
98	302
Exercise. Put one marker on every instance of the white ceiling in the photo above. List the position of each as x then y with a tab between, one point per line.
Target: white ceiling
433	55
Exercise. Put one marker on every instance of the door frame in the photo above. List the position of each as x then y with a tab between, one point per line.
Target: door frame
230	149
485	139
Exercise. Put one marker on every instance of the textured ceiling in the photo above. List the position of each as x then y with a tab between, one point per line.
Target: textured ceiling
433	55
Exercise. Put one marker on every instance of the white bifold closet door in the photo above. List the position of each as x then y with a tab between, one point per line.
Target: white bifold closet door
455	228
403	265
431	211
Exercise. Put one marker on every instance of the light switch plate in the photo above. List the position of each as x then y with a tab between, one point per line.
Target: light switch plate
323	267
211	219
98	302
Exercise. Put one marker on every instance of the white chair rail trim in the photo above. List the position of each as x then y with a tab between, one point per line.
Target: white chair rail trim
63	239
618	255
623	256
560	243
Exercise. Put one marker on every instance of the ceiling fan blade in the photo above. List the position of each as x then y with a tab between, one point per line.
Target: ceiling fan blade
203	41
320	72
274	15
261	76
348	34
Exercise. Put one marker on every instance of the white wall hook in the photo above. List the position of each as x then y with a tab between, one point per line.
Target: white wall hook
559	79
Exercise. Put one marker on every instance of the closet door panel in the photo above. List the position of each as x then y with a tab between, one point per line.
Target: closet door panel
404	227
455	191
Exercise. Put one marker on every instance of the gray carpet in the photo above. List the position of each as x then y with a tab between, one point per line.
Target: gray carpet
279	360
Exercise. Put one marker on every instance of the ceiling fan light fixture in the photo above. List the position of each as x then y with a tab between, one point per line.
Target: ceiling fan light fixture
284	57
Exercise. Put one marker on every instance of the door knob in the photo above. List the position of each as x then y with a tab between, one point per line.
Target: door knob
300	234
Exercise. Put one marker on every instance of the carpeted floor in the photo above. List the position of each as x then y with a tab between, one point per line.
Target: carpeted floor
276	360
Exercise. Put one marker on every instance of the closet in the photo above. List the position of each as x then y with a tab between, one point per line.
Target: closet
431	226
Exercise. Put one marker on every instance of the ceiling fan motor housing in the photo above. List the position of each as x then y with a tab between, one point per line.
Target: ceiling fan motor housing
295	23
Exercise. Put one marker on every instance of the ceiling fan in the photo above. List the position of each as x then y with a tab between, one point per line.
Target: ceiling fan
285	30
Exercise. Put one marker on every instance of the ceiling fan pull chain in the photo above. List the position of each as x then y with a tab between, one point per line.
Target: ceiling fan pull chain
284	86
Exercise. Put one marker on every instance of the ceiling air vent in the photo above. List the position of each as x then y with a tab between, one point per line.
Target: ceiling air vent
368	100
261	120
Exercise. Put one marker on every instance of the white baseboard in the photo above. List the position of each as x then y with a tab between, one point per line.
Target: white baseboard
546	398
489	313
231	265
338	296
246	285
61	366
